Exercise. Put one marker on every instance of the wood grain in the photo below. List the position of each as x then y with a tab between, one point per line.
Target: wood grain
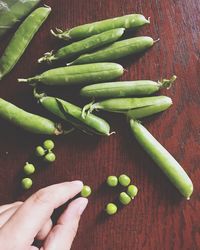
159	218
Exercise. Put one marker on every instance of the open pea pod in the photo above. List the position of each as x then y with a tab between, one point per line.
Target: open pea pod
12	12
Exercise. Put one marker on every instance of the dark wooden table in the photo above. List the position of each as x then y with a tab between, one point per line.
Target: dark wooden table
159	218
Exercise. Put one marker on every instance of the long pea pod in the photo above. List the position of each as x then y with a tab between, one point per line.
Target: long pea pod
80	74
163	159
72	114
125	88
27	121
116	50
132	107
21	39
12	12
82	31
83	46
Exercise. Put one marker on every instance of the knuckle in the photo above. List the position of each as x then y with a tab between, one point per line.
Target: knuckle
41	196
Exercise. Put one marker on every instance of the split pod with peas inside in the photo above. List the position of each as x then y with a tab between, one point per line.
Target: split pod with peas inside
116	50
133	107
72	114
81	74
125	88
27	121
82	31
83	46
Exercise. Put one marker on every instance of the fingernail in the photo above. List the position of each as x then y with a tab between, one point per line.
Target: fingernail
82	205
78	183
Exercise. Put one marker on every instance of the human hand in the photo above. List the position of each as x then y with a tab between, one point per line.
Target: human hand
22	222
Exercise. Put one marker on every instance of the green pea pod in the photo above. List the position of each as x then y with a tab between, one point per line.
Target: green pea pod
125	88
163	159
12	12
83	46
21	39
136	107
27	121
116	50
72	114
81	74
128	22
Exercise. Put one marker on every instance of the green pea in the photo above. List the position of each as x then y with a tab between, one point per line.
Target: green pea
29	168
124	198
48	144
83	46
116	50
112	181
21	39
128	22
132	191
86	191
27	121
81	74
111	209
50	157
26	183
39	151
124	180
163	159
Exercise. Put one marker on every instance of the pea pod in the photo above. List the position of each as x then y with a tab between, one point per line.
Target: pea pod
72	114
116	50
12	12
83	46
81	74
163	159
133	107
21	39
125	88
82	31
27	121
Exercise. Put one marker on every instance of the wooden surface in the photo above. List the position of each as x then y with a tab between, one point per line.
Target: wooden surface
159	218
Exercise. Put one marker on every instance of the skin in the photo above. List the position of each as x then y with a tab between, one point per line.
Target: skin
125	88
111	209
21	39
124	180
14	12
116	50
132	191
72	114
112	181
128	22
163	159
124	198
81	74
27	121
86	191
83	46
32	219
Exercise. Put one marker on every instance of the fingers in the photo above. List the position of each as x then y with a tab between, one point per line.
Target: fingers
62	235
7	206
33	248
45	230
5	216
36	211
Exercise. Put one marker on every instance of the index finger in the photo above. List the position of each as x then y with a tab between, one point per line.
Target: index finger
36	210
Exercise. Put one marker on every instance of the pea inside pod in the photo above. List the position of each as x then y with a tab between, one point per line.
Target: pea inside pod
163	159
82	31
80	74
125	88
116	50
83	46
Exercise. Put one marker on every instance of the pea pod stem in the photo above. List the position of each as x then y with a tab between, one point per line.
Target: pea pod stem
163	159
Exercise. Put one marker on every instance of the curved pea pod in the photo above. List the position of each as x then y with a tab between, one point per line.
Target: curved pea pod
132	107
163	159
21	39
12	12
82	31
27	121
125	88
81	74
72	114
116	50
83	46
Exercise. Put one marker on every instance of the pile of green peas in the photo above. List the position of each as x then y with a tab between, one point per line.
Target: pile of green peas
124	197
47	155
